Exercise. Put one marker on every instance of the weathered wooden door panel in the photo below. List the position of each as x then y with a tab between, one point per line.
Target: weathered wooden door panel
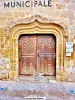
28	55
37	55
46	52
28	65
28	45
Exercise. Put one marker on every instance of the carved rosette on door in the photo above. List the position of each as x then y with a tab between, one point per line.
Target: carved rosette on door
37	54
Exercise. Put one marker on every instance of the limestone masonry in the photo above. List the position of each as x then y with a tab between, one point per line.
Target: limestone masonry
37	17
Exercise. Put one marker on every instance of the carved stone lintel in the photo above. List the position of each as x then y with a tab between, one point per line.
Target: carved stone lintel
38	18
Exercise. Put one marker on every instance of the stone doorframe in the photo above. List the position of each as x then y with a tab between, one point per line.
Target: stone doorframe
38	25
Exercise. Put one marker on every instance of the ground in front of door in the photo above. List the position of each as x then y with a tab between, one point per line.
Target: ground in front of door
51	90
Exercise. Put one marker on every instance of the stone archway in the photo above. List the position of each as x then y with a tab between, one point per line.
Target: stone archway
37	27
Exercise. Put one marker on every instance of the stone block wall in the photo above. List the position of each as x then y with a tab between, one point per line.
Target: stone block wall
62	10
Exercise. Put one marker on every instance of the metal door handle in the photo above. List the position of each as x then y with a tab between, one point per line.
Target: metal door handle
38	53
45	57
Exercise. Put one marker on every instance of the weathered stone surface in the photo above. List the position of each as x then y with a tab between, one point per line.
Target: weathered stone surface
2	19
12	75
71	6
60	6
61	1
72	27
8	13
2	67
72	32
73	1
1	33
3	74
15	14
9	19
56	14
67	14
71	77
21	14
58	78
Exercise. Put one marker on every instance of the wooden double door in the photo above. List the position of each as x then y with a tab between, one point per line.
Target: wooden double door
37	54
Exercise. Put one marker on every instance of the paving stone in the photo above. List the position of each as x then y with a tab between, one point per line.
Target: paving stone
17	90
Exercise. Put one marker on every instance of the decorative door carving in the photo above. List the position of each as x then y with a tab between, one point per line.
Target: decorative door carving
37	55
